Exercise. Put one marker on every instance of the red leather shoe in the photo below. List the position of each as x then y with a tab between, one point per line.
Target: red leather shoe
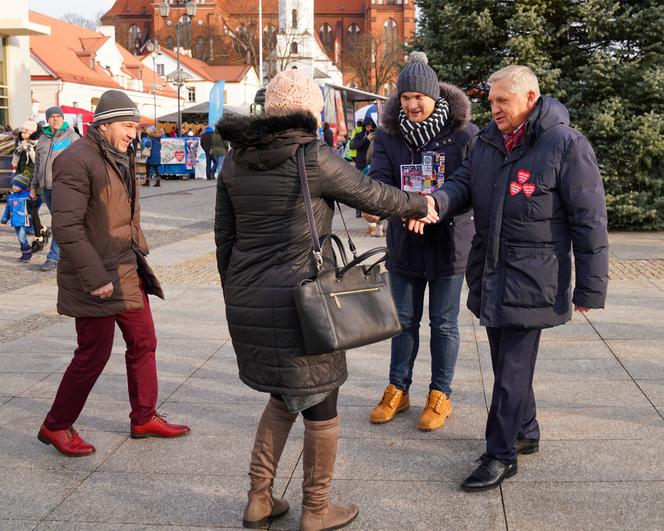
157	427
67	442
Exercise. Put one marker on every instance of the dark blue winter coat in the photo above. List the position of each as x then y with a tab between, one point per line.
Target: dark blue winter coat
533	208
154	158
443	249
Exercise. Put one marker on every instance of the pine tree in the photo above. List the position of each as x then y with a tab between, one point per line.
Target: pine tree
603	59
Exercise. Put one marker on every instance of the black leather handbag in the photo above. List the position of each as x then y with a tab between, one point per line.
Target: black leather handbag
347	304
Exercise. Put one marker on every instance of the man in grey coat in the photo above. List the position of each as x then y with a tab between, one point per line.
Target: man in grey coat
58	135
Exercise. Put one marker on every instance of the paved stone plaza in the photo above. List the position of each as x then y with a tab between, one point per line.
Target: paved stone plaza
599	384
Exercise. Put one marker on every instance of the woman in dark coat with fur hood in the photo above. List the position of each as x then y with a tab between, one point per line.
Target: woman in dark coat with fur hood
263	252
424	119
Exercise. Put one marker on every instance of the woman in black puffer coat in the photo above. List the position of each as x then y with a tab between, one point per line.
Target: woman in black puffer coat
263	252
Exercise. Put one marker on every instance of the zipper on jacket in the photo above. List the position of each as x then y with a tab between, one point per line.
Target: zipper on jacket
335	295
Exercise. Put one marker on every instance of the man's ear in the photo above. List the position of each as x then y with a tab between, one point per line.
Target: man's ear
532	99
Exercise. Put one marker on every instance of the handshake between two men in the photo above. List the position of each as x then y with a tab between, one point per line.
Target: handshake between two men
415	225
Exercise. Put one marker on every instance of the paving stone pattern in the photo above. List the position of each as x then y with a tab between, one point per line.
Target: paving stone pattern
599	384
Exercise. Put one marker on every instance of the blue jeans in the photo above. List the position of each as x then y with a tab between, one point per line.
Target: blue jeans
54	251
21	234
444	296
210	165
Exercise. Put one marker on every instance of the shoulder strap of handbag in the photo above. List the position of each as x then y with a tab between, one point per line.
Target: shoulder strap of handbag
306	194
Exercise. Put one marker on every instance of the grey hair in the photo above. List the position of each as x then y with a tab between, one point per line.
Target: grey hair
523	79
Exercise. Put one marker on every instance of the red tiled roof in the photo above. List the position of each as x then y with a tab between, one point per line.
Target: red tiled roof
231	73
68	50
195	65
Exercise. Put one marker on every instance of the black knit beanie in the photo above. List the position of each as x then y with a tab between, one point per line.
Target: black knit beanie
418	76
115	106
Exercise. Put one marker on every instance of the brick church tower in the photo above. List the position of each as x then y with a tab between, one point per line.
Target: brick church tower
350	32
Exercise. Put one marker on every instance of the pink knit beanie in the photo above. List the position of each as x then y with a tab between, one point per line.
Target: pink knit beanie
291	91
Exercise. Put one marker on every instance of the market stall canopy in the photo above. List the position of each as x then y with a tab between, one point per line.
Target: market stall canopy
201	110
352	95
86	116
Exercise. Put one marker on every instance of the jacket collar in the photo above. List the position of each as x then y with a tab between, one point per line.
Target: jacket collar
49	132
547	113
456	99
264	142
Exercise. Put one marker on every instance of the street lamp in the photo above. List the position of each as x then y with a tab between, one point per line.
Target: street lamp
155	50
178	78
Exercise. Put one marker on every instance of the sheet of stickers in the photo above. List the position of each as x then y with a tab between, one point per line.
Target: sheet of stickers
425	177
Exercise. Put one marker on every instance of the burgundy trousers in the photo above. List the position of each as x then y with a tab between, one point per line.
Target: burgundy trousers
95	342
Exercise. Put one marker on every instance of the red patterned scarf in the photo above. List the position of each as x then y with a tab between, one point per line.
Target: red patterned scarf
514	138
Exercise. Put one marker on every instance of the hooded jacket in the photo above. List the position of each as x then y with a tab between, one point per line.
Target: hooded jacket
443	249
264	245
16	211
49	146
361	143
533	208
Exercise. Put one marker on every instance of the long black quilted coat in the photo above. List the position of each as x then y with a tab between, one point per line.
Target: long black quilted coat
264	246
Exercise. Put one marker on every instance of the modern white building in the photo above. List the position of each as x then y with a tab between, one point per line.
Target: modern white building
298	45
241	81
75	66
15	31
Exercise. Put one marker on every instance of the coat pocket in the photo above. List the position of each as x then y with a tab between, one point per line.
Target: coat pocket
530	275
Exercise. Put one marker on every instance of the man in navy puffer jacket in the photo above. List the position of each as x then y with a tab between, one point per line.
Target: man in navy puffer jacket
424	118
537	194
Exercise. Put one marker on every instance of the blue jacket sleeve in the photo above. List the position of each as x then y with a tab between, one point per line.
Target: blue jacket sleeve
5	215
454	197
583	197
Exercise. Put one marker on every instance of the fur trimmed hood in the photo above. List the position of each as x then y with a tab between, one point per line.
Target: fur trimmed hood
264	142
457	100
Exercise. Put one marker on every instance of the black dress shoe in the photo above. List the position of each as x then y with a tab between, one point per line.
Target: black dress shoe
488	475
527	446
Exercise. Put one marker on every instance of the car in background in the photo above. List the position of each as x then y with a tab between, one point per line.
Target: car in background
6	152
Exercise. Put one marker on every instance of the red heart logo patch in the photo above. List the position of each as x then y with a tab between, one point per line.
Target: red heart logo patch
515	188
179	156
528	189
522	176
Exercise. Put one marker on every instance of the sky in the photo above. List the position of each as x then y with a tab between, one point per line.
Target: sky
57	8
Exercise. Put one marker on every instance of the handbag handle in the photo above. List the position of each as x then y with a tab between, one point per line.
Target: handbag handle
306	195
335	241
362	258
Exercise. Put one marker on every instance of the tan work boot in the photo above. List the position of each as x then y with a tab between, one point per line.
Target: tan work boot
394	401
271	436
436	410
318	458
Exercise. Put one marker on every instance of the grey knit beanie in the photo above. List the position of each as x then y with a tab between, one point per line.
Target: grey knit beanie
54	110
418	76
115	106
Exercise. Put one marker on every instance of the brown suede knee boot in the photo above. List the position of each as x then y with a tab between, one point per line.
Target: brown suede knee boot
271	436
320	453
